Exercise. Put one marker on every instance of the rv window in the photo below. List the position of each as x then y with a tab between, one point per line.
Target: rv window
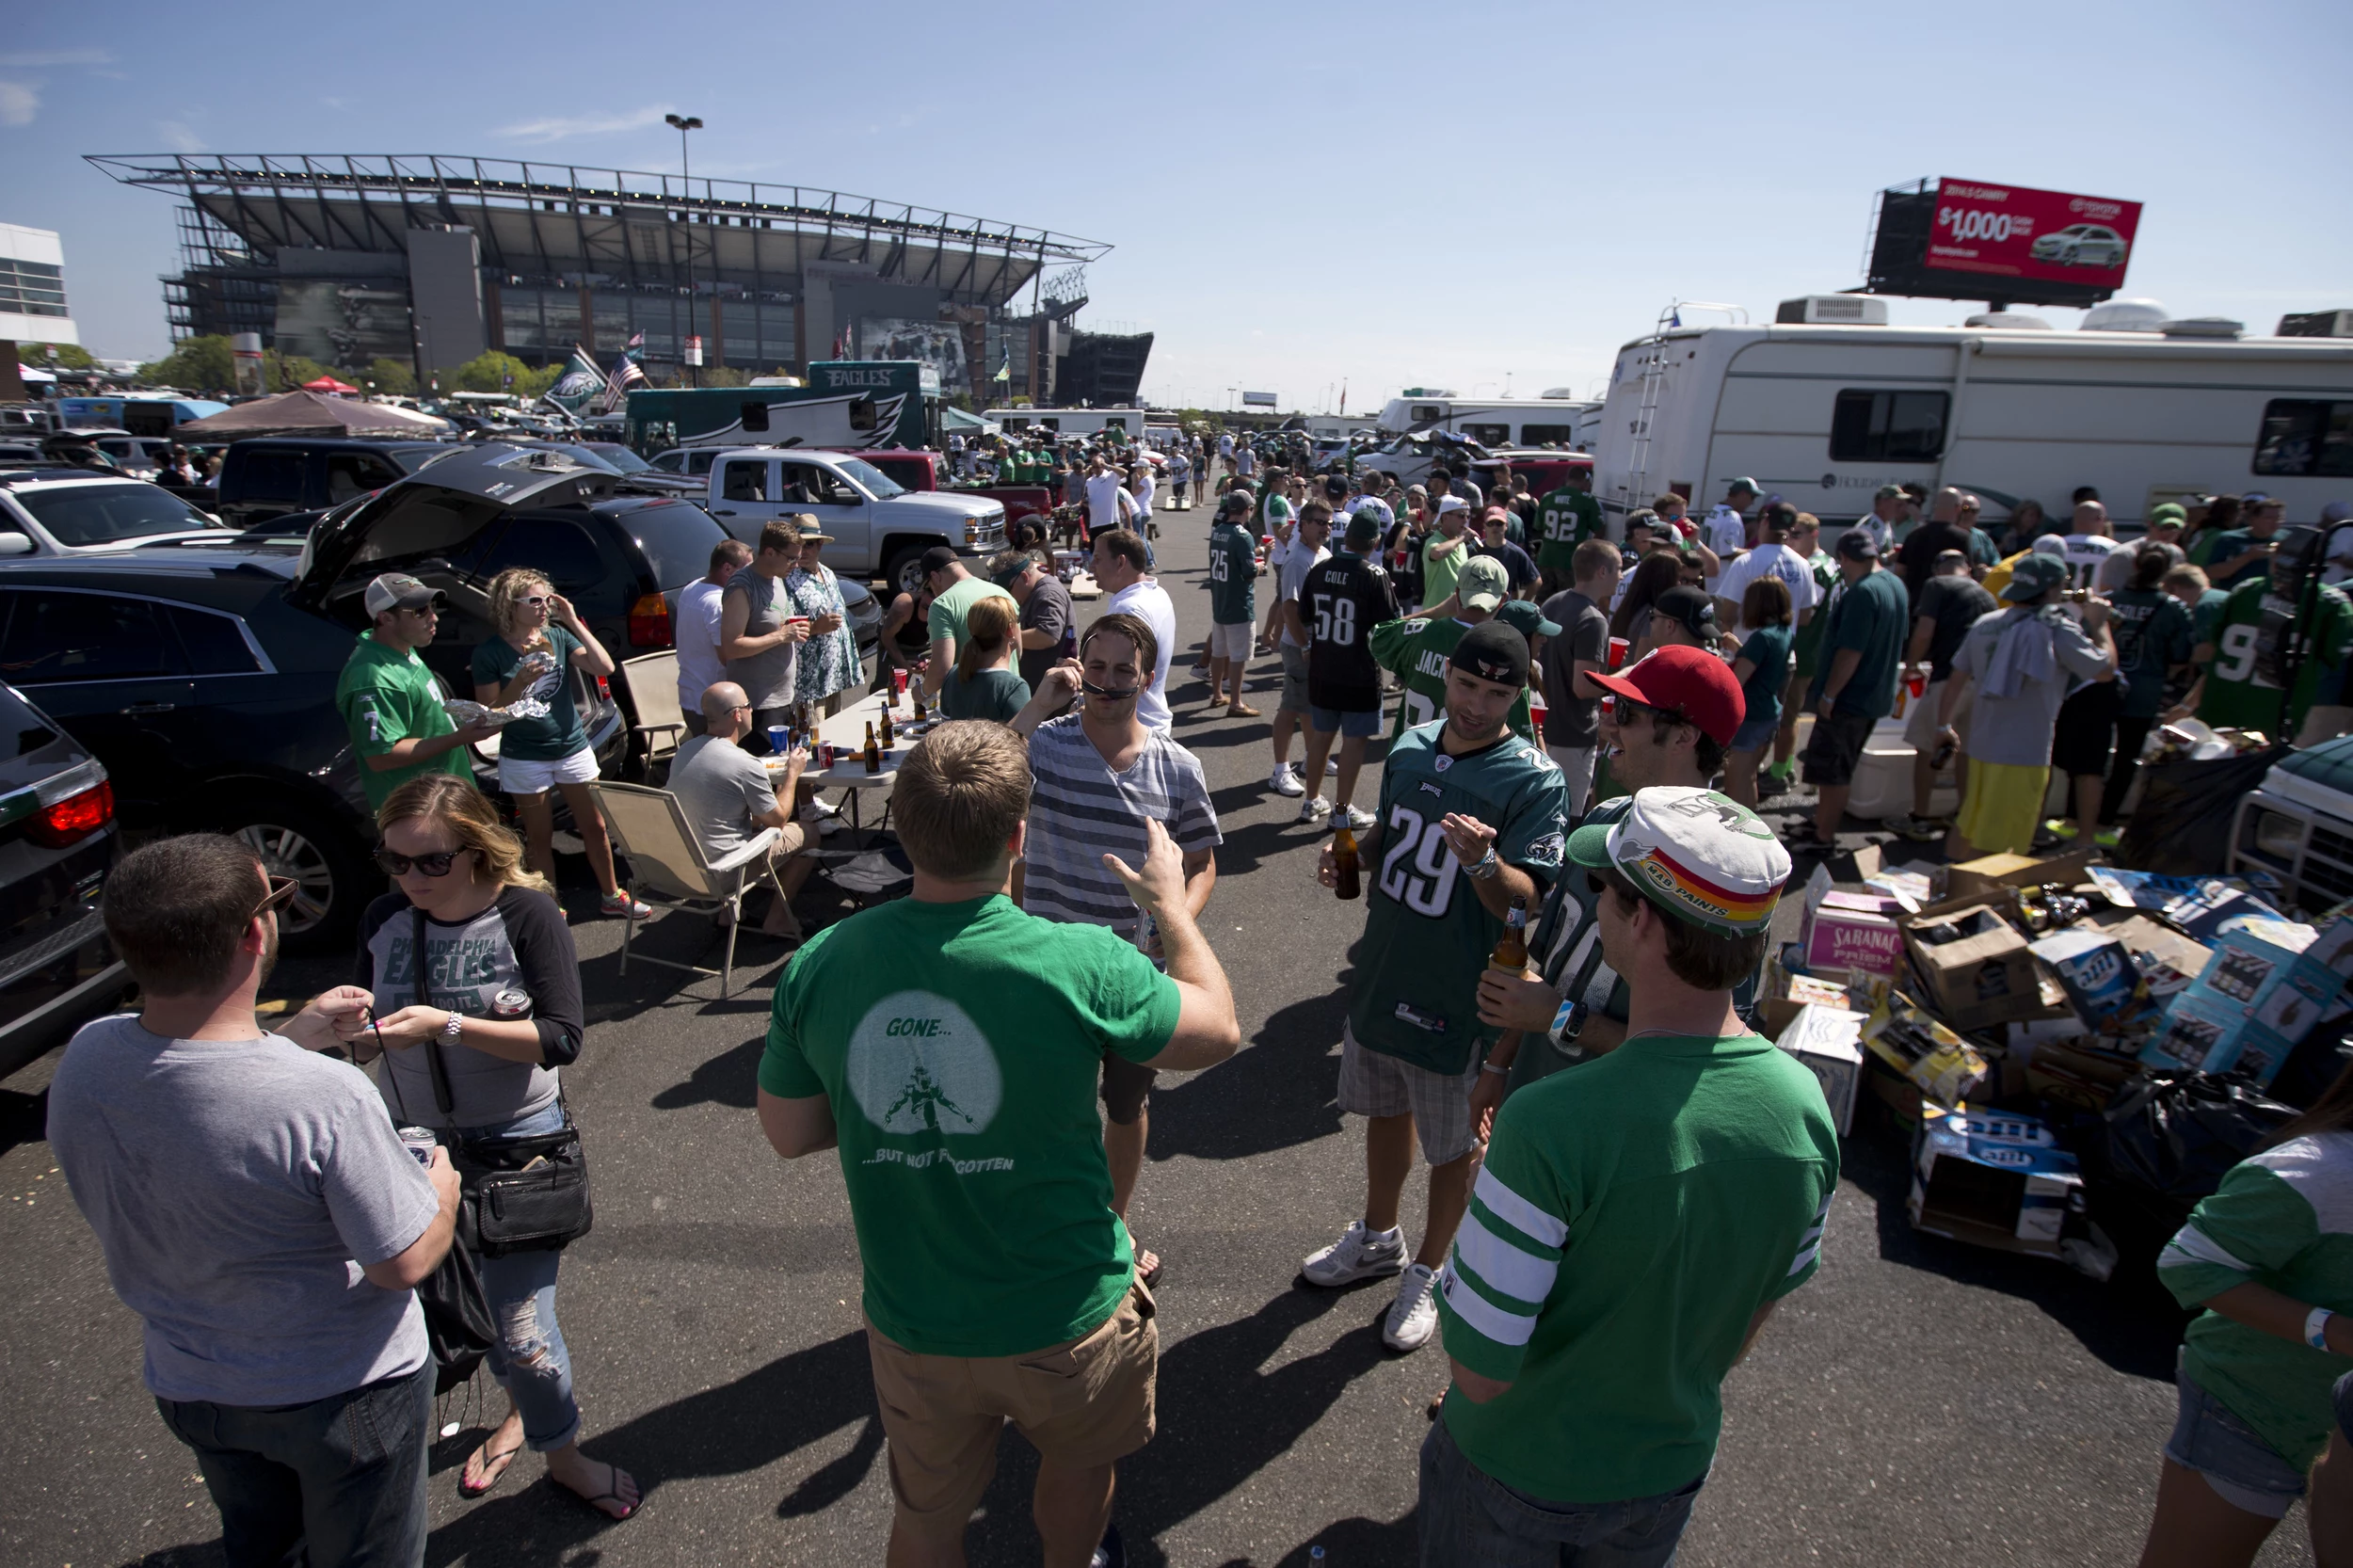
861	413
746	480
1053	425
755	415
2305	438
1426	412
1537	435
1489	435
1888	426
1114	424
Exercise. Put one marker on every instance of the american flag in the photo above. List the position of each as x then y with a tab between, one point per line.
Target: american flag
625	375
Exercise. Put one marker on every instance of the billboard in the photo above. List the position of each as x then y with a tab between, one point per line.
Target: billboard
1257	400
937	346
343	322
1972	239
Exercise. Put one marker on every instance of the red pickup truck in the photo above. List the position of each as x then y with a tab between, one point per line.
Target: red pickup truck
916	470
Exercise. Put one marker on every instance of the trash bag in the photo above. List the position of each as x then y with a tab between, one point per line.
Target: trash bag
2187	810
2172	1135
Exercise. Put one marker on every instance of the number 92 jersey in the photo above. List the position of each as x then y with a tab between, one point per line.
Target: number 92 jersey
1427	935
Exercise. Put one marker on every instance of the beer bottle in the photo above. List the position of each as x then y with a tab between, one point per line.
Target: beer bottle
873	752
919	707
1512	947
886	740
1346	872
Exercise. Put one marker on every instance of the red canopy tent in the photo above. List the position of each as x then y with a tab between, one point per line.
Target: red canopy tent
327	384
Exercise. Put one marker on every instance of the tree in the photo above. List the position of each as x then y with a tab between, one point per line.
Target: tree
197	364
495	372
724	376
71	356
392	378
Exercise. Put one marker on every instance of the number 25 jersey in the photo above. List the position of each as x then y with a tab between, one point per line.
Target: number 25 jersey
1341	602
1427	935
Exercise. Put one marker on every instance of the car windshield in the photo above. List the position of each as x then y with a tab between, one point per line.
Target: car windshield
618	456
80	515
880	484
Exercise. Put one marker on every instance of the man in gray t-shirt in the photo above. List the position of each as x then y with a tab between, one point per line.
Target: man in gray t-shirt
729	796
260	1214
759	637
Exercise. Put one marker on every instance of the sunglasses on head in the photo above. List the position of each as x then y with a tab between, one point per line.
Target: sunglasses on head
282	888
436	864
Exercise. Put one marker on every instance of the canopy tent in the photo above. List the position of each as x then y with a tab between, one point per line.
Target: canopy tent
307	413
955	418
327	384
33	377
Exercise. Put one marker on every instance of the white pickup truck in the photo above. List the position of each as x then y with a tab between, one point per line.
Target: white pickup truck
878	528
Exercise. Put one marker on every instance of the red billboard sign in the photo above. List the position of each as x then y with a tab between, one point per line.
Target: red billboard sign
2011	231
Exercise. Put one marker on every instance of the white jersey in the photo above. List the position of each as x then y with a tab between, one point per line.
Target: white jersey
1769	560
2085	554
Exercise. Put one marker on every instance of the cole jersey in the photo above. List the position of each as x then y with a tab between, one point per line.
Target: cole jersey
2243	689
1340	601
1415	651
1427	933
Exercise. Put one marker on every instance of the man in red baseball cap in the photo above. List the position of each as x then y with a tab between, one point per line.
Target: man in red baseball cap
1671	713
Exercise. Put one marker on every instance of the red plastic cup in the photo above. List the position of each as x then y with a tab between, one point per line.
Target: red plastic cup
898	683
1918	684
1619	648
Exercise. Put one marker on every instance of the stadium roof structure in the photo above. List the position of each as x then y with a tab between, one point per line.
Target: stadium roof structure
561	218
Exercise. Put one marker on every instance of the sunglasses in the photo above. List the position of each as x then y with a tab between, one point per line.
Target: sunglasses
538	601
436	864
282	890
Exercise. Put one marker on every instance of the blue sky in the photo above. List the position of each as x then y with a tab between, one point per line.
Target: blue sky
1465	195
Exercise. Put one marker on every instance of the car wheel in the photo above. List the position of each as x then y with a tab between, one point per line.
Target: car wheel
325	860
904	572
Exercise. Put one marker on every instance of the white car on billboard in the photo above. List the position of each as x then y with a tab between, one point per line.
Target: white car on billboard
2081	245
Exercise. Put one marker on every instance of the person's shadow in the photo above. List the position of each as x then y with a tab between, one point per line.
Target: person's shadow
1280	1092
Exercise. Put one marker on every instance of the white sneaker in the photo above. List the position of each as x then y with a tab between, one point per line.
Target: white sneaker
1414	1316
1314	808
1285	782
1359	820
1331	767
1358	1255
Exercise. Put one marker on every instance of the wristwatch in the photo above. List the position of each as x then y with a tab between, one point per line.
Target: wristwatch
449	1029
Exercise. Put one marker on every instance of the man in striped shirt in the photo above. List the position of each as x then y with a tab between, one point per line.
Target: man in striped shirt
1637	1219
1102	774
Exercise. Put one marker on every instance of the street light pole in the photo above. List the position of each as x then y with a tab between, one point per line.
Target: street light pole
684	123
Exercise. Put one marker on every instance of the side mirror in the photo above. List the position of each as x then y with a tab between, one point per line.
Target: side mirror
13	543
842	495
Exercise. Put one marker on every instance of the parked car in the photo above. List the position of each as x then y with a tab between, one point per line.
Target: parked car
58	842
878	527
636	473
272	475
203	676
922	472
75	512
692	461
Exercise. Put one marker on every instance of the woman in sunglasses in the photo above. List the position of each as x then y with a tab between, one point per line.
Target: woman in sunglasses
540	636
471	963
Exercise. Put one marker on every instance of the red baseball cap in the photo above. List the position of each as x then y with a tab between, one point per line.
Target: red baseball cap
1686	680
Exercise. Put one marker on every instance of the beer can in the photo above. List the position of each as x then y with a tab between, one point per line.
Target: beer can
512	1001
824	754
419	1141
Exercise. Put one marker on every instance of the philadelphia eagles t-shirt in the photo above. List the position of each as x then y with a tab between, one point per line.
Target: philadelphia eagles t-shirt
960	1045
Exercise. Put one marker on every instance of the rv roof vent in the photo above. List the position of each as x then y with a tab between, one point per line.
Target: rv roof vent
2206	327
2007	321
1846	309
1567	393
2126	315
2309	324
1430	391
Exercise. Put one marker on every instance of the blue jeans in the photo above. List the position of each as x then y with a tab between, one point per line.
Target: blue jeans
342	1479
1471	1520
529	1358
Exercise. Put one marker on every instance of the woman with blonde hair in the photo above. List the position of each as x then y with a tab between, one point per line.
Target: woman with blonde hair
984	684
475	986
539	636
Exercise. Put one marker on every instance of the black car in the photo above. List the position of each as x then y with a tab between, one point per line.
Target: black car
203	676
273	475
57	842
636	473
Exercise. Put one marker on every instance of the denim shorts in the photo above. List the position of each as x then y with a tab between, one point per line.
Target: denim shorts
1364	724
1755	734
2244	1470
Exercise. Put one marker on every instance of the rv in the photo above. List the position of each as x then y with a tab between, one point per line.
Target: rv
1522	422
1067	421
1824	415
845	404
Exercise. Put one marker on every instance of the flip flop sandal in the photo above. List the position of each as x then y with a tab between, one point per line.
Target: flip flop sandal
613	1474
502	1461
1150	1277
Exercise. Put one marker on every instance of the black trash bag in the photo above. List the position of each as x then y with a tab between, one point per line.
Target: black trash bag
2183	825
457	1324
2172	1135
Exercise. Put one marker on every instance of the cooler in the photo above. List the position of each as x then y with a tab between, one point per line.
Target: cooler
1882	779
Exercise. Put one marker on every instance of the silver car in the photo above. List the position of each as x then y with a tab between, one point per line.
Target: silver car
2081	245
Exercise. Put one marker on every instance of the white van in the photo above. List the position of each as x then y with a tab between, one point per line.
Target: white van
1824	415
1510	422
1068	422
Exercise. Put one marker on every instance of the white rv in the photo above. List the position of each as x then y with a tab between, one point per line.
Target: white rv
1509	421
1068	422
1824	415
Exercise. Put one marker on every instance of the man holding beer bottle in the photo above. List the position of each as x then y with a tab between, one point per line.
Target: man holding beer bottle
1472	818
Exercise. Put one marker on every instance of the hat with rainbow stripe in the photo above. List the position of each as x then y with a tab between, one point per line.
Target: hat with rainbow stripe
1697	853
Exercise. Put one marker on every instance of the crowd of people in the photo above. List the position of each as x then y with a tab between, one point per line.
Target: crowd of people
1567	895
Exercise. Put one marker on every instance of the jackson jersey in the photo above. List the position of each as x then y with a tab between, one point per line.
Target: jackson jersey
1341	602
1427	933
1415	651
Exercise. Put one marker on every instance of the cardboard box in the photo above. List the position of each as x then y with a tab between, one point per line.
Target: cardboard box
2267	984
1828	1040
1980	978
1852	933
1992	1178
2092	968
1944	1066
1991	874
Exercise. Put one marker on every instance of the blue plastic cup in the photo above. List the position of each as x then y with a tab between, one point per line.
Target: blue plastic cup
779	738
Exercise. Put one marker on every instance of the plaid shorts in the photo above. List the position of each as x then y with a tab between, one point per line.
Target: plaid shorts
1372	1084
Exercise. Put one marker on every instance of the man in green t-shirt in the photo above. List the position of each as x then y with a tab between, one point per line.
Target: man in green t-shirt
1854	676
1233	602
2234	557
1416	649
1443	553
1635	1222
390	703
1565	518
948	1045
2252	639
954	591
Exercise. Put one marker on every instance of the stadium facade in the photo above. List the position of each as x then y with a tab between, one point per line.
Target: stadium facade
430	261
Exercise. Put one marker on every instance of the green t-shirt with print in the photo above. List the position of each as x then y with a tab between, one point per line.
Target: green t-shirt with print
1628	1222
385	699
1827	582
1233	576
556	734
960	1045
2239	692
1415	650
1564	519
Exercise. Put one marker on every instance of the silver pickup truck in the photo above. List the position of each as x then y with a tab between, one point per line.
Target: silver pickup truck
880	529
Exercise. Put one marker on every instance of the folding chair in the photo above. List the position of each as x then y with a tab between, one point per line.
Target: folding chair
667	867
652	682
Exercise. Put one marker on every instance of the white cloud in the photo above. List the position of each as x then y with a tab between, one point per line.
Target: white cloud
558	127
178	137
38	58
18	103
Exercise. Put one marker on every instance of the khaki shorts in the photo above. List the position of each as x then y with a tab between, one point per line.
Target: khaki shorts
1920	719
1084	1402
1294	679
1372	1084
1232	642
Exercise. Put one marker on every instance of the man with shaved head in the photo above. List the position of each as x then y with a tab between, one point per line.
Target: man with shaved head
729	795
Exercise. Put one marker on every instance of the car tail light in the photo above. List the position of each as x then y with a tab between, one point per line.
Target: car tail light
649	622
605	689
75	816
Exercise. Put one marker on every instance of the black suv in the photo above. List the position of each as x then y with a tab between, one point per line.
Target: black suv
274	475
57	841
203	676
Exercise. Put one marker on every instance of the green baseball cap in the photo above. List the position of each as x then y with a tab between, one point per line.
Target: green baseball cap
1483	583
1526	618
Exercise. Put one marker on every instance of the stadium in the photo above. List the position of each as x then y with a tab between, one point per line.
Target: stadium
431	260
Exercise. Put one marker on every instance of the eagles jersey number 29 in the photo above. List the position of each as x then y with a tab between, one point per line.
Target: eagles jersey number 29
1417	866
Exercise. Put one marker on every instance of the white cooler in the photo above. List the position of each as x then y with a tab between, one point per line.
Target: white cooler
1882	779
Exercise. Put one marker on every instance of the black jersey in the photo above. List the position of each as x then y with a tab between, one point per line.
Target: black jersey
1341	602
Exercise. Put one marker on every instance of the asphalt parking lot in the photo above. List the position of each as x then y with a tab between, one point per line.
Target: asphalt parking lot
1920	1401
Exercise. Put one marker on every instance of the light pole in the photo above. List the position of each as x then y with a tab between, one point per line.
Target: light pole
684	124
